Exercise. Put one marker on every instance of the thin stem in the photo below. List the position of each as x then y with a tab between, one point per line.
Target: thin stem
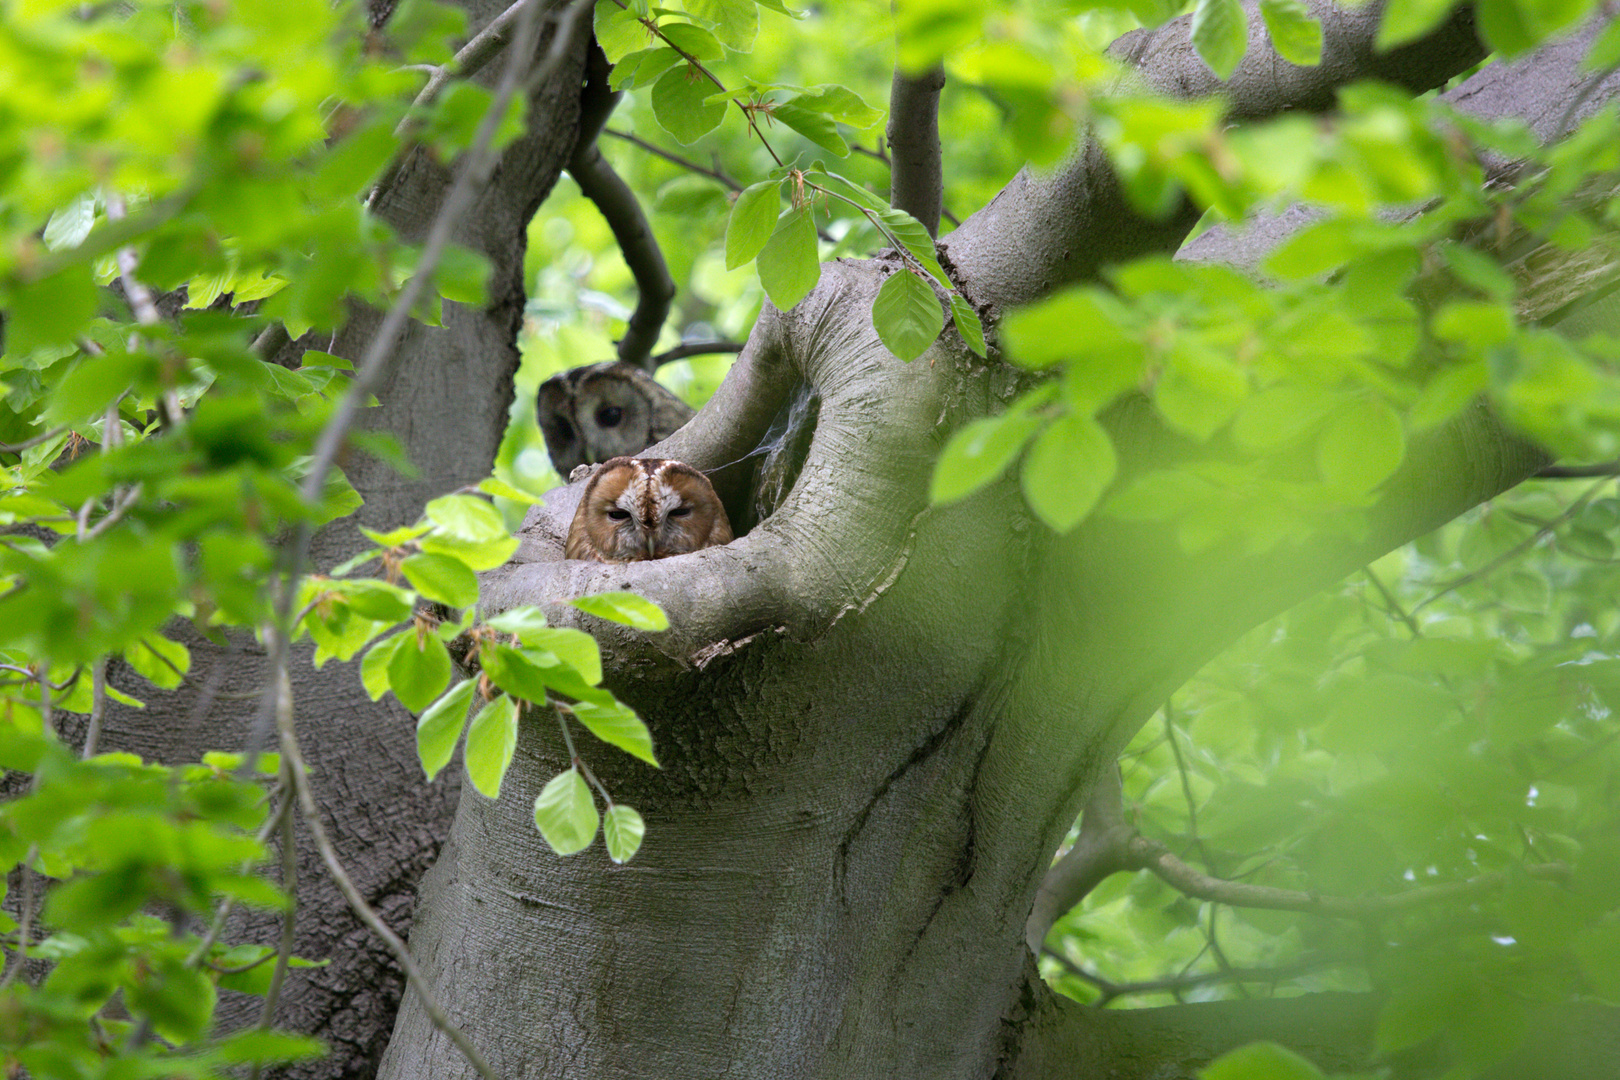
25	918
98	705
1516	550
695	348
675	159
293	759
289	885
1393	605
19	447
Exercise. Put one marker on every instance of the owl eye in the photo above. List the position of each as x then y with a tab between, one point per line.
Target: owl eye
619	515
609	416
680	511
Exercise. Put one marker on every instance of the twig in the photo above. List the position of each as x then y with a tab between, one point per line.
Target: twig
25	918
200	953
695	348
1111	990
1393	605
1098	853
137	295
469	59
1142	853
289	885
17	448
1516	550
98	705
675	159
1578	472
293	760
121	506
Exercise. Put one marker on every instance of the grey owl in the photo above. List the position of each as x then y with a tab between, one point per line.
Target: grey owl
600	411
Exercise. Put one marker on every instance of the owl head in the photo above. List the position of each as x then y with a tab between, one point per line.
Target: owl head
646	508
600	411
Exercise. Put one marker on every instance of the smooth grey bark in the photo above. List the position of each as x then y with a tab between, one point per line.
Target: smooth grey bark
915	182
876	719
386	822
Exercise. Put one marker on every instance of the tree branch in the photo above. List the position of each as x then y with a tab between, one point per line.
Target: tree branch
1042	232
675	159
617	203
1098	853
695	348
915	180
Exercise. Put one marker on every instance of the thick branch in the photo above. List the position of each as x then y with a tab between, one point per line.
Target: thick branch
1099	852
1062	1039
915	183
618	204
1043	232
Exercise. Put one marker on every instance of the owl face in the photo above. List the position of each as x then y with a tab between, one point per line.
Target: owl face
600	411
635	509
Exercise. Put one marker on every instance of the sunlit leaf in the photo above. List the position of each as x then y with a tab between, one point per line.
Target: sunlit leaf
565	813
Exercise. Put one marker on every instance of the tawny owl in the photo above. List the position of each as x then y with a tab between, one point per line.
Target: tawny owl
600	411
646	508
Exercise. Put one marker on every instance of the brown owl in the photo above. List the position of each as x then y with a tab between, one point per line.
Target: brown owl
600	411
646	508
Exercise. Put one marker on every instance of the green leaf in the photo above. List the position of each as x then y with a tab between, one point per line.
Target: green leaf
981	451
616	724
419	671
1220	33
1295	33
841	103
969	327
1067	469
789	265
906	315
624	607
679	106
694	41
573	647
480	556
491	741
565	813
618	30
1408	21
1361	446
70	224
161	662
752	220
518	620
440	727
468	518
622	830
1505	27
374	667
913	236
641	68
1260	1061
441	578
50	311
735	22
818	127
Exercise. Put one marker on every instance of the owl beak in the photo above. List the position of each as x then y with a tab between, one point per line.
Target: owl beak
652	540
